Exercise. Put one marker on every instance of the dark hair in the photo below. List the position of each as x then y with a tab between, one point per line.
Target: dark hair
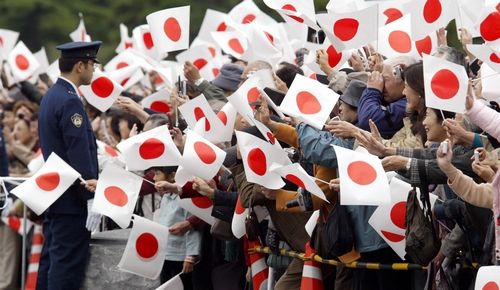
131	120
413	75
33	107
287	72
158	120
66	64
165	169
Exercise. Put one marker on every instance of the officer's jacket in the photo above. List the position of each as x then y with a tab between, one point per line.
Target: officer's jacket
65	129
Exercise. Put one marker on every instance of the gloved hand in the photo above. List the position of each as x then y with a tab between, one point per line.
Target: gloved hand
93	218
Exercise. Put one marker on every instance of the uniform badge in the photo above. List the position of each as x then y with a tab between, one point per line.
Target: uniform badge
77	120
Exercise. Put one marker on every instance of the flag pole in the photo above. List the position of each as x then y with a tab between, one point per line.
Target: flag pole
321	180
485	77
23	252
442	115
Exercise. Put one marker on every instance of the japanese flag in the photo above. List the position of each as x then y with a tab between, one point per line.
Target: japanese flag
295	11
232	42
247	12
199	206
266	132
486	54
158	102
80	33
312	222
336	58
199	108
127	76
53	71
107	150
116	194
298	176
309	100
490	83
125	40
389	11
257	156
261	47
22	62
170	28
43	188
445	84
211	70
123	59
200	158
102	91
143	42
488	278
245	96
350	30
227	115
427	16
362	178
151	148
41	57
8	39
17	224
145	251
36	162
214	21
176	283
238	222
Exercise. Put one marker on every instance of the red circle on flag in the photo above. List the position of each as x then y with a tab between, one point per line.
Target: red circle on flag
270	37
223	117
489	27
239	208
1	41
205	152
290	7
334	57
257	162
313	76
252	96
110	150
212	51
148	40
222	27
200	63
432	10
22	62
235	45
124	82
392	14
48	181
445	84
295	180
395	238
424	45
361	172
491	285
248	19
160	106
398	213
202	202
307	103
494	58
346	28
128	44
198	114
400	41
215	71
151	148
116	196
15	223
271	137
172	29
102	87
121	64
146	246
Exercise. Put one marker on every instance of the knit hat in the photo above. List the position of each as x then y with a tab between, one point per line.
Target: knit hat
229	77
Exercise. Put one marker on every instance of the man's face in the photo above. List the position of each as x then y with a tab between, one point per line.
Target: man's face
88	72
347	113
393	85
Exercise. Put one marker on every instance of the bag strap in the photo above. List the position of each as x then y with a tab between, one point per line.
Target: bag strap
424	194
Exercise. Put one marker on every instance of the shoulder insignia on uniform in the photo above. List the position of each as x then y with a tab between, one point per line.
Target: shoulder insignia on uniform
77	120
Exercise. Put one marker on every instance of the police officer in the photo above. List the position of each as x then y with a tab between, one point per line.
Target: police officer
65	129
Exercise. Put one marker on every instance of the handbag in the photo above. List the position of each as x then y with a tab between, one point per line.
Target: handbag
221	230
422	242
252	224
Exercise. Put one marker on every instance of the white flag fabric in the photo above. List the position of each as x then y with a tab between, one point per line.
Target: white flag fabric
8	39
244	96
490	84
227	115
199	56
445	84
170	28
488	278
17	224
428	16
175	283
200	158
486	54
231	42
42	189
350	30
389	11
247	12
116	194
196	109
214	21
309	101
238	222
107	150
336	58
127	76
257	156
312	222
151	148
295	11
158	102
298	176
199	206
126	41
143	42
22	62
145	251
123	59
80	33
487	24
102	91
362	178
36	162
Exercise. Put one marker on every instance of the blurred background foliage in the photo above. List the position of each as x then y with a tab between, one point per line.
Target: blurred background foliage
48	22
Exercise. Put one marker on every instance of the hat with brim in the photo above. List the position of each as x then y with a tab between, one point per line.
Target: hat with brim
229	77
80	50
353	93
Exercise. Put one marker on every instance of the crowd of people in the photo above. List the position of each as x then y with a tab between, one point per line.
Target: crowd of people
381	108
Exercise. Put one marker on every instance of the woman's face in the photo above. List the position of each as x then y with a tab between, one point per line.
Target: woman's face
9	119
413	99
124	130
22	133
433	127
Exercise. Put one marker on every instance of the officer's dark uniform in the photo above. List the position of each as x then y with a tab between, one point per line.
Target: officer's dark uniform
64	128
